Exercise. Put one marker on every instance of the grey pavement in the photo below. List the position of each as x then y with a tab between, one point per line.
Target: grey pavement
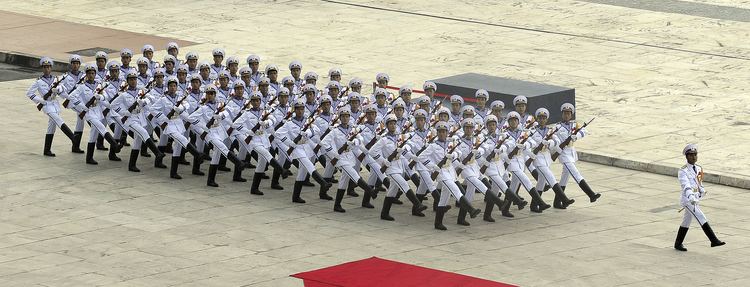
654	80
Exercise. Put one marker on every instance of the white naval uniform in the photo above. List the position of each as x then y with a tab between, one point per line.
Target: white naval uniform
416	143
543	159
136	121
217	132
495	170
470	170
517	164
568	155
692	191
51	106
94	113
175	125
336	139
243	127
303	150
383	148
447	178
369	131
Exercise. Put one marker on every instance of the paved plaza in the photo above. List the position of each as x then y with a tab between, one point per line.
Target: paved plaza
655	79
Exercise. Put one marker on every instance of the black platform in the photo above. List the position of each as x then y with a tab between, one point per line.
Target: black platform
504	89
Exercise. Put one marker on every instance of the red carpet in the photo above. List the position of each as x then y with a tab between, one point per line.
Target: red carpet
385	273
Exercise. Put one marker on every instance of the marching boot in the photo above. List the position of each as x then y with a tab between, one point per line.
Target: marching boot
168	147
149	143
197	166
366	200
193	150
113	155
90	153
537	199
231	156
255	186
561	201
211	180
362	184
439	214
337	204
100	143
711	236
237	176
296	193
680	237
133	159
350	189
417	206
324	185
159	160
307	182
182	159
535	175
465	204
173	167
68	133
379	186
435	198
487	183
415	179
587	190
76	148
277	166
396	199
385	213
48	145
287	172
422	197
144	153
223	164
275	179
505	208
114	147
489	205
462	217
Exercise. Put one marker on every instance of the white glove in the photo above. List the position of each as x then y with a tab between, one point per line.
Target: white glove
58	90
435	168
693	202
449	156
399	150
264	124
549	143
414	158
387	163
350	143
573	137
179	109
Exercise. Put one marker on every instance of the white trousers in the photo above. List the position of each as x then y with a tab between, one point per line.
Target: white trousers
693	211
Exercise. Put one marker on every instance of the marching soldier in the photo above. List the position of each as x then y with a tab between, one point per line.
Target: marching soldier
295	67
174	50
496	109
297	135
191	60
417	141
370	132
389	152
568	155
205	72
43	92
355	85
380	104
247	79
334	74
272	73
144	75
281	113
217	67
126	55
233	65
405	93
543	140
170	66
457	103
253	61
129	103
493	167
481	110
517	145
72	80
101	66
339	145
691	181
430	89
148	52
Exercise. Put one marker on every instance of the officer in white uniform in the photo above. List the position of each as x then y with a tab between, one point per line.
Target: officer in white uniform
74	78
148	53
493	167
37	93
516	162
691	182
217	67
253	61
568	154
543	160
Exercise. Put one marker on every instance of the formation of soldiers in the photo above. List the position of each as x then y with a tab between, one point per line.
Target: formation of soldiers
224	111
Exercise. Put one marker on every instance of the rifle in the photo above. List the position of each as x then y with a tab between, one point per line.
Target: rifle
325	133
210	122
281	123
517	148
393	155
122	88
93	99
424	147
66	102
345	146
539	147
372	142
492	154
470	156
442	162
567	140
49	93
254	129
135	104
299	136
171	113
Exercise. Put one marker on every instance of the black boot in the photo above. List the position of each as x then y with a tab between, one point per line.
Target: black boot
149	143
255	185
415	179
182	159
223	164
48	145
159	161
144	153
488	210
123	140
193	150
350	188
114	147
211	181
680	237
337	204
133	159
537	203
505	208
396	199
275	179
379	186
561	201
76	148
90	153
237	176
422	197
417	206
324	185
113	155
462	217
231	156
68	133
277	166
435	198
465	204
587	190
366	200
197	166
385	213
711	236
296	193
439	214
173	167
100	143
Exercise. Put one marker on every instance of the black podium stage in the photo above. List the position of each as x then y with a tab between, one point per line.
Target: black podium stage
504	89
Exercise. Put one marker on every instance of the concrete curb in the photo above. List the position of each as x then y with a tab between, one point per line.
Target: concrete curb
660	169
30	61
